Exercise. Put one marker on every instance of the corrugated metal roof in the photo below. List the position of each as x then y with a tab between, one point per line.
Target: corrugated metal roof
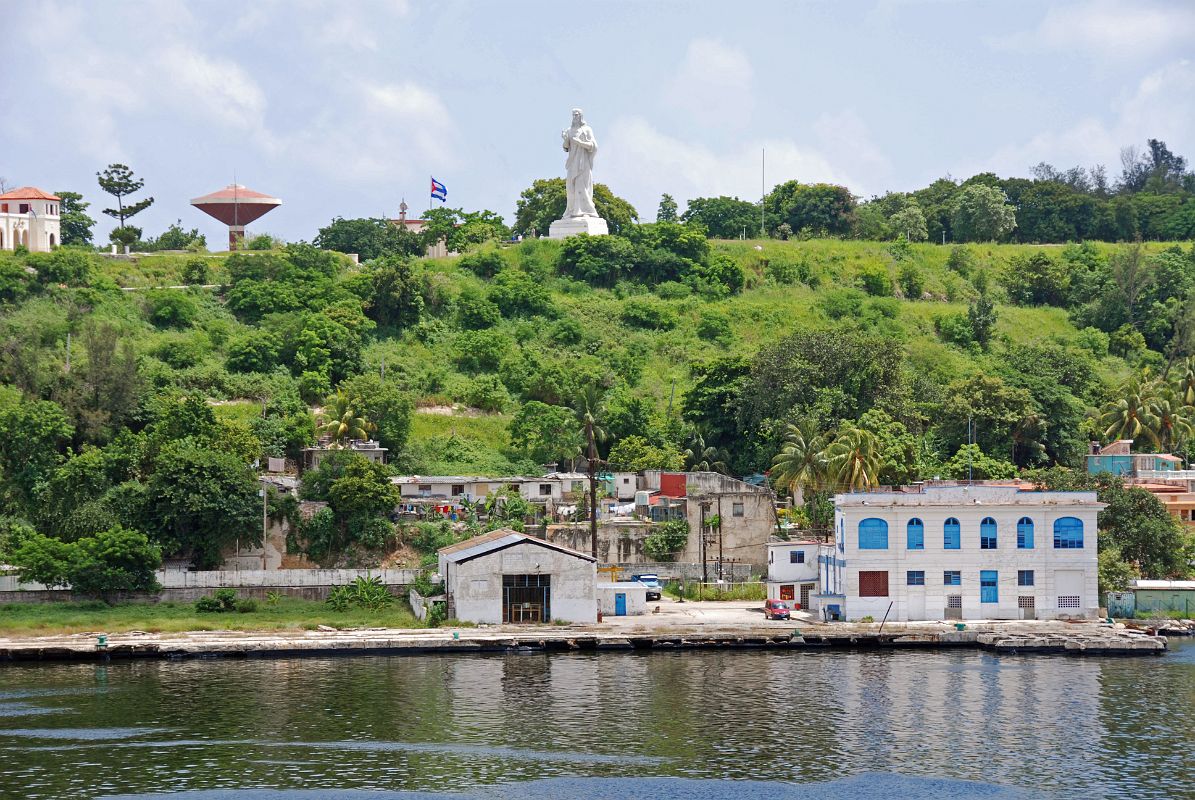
502	537
1148	584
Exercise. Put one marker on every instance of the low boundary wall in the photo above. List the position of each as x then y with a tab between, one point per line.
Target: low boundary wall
185	586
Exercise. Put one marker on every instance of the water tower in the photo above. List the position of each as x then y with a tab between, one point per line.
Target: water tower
236	206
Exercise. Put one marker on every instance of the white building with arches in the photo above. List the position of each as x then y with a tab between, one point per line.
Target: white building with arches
31	218
945	552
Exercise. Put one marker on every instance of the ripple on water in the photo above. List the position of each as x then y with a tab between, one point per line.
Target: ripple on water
857	787
79	734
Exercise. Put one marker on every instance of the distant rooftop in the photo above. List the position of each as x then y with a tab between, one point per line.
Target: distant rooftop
28	193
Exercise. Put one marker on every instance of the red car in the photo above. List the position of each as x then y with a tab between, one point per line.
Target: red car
777	609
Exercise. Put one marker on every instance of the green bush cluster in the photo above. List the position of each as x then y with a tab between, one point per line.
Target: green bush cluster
368	593
225	601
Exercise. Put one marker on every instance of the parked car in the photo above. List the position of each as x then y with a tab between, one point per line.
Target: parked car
777	609
652	582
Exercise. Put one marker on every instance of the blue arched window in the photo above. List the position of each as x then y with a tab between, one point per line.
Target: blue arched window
987	534
915	535
1068	533
1024	534
952	537
873	534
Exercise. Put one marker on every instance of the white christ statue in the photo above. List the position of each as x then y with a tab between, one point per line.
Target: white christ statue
580	215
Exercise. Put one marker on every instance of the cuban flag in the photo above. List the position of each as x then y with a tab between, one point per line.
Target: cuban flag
439	192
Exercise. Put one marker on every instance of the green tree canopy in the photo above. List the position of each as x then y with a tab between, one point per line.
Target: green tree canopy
723	217
369	238
76	225
119	181
981	213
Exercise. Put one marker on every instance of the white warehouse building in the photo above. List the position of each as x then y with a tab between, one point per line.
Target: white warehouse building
964	552
504	576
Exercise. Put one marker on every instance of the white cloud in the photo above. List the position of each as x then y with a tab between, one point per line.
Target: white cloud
391	127
713	85
845	139
1107	29
1162	106
642	163
211	88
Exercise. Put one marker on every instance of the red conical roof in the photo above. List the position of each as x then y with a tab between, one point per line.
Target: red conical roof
236	204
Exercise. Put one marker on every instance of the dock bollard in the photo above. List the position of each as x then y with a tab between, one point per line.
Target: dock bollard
456	634
959	626
101	641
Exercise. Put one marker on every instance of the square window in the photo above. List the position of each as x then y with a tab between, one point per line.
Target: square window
736	510
1026	601
458	489
873	584
952	577
954	601
1025	577
423	487
796	556
545	489
915	577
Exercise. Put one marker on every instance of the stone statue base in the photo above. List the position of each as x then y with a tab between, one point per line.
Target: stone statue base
571	226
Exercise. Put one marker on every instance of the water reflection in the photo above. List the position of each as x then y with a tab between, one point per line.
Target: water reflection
1047	726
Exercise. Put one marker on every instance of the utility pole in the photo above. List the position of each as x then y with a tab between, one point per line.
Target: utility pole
591	468
719	547
970	452
763	160
701	535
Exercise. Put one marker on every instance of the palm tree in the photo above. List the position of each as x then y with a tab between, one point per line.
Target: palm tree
340	420
1186	382
1174	418
854	459
700	458
801	462
1026	439
1132	415
590	410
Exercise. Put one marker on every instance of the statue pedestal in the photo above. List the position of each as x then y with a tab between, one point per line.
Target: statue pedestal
571	226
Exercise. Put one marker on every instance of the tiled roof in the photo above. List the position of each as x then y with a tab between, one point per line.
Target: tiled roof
28	193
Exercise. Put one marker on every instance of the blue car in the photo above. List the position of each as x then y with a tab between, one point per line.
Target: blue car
652	582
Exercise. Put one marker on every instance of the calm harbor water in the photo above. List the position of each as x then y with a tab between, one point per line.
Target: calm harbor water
692	725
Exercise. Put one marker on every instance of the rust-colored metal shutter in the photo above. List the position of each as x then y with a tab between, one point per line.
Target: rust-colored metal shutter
873	584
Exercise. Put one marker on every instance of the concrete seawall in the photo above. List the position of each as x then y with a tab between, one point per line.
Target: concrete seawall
1059	639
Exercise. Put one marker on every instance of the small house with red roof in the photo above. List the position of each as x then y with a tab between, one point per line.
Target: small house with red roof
29	217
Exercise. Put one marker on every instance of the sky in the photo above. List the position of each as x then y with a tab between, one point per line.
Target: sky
345	107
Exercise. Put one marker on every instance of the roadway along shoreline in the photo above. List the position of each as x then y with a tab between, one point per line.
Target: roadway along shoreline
1057	638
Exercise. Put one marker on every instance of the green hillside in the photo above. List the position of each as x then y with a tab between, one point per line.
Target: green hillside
126	406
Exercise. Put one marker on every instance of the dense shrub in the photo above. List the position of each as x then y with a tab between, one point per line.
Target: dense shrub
649	313
666	540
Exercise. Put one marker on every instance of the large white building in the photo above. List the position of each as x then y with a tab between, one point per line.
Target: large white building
30	217
963	552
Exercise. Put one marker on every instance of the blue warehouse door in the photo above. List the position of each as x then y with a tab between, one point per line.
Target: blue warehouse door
620	604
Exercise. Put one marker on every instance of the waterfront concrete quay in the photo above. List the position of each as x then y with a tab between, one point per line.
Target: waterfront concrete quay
708	625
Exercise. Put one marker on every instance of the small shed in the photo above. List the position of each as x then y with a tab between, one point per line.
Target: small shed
509	577
622	599
1165	597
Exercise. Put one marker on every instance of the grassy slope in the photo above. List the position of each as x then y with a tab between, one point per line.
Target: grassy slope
763	313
